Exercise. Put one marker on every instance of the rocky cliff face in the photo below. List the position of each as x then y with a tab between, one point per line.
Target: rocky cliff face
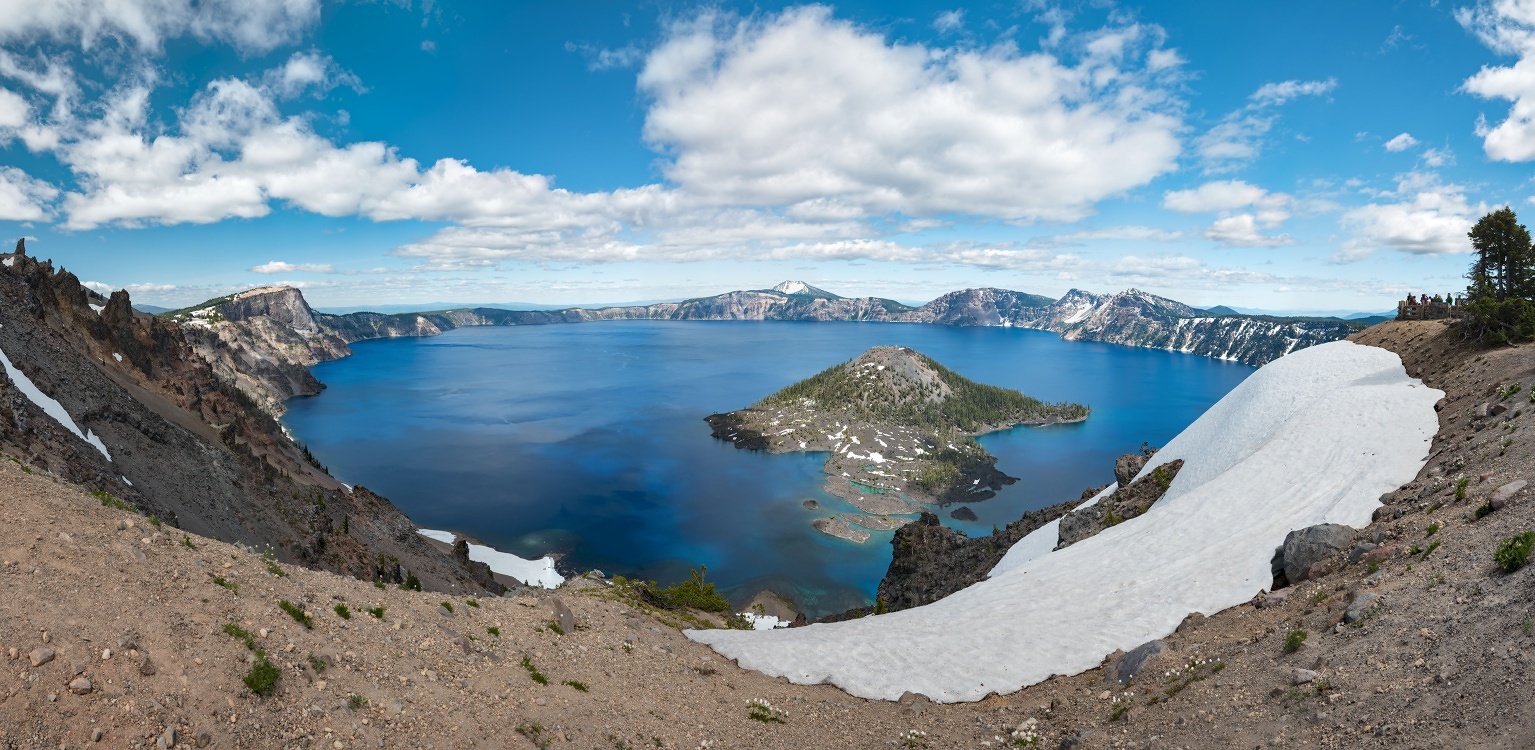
1135	318
977	307
177	439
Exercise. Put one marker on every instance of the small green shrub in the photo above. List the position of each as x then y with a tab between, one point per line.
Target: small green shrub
1430	549
317	664
1460	488
1293	640
448	606
343	612
242	634
262	677
412	583
231	585
694	593
378	584
1372	567
577	684
1482	510
356	702
493	630
473	603
108	500
758	709
155	520
1432	529
1528	626
533	672
297	613
1514	552
377	612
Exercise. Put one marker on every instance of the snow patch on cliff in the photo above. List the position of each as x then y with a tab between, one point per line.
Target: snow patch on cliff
49	406
538	572
1314	437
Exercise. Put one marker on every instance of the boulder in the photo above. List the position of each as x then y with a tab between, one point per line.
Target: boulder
562	613
1272	599
1502	495
1128	465
1360	607
1125	668
1304	548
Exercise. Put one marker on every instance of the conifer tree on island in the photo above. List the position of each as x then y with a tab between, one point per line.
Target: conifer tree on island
1500	310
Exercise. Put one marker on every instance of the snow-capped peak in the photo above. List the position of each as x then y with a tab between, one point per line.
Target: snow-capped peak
792	287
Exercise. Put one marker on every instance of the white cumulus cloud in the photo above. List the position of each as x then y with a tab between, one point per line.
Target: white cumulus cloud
1401	143
1244	209
797	106
1237	139
1428	218
253	25
278	266
23	198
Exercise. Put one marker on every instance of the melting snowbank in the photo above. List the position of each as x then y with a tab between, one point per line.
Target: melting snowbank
1314	437
538	572
49	406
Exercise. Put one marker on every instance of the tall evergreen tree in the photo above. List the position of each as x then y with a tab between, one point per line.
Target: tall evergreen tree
1502	269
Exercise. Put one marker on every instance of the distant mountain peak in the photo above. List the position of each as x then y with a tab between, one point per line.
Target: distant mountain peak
801	289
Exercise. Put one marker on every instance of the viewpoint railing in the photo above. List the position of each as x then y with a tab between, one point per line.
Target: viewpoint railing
1428	310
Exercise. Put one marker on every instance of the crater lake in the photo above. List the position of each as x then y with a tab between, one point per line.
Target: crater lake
589	440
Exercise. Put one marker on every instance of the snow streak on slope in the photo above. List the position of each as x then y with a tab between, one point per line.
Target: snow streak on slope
49	406
538	572
1314	437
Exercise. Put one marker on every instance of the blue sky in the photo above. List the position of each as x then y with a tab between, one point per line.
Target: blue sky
1286	156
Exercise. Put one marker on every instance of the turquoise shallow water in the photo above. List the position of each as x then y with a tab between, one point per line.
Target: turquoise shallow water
589	439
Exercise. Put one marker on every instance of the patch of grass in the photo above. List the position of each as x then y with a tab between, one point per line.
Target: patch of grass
577	684
533	672
231	585
493	630
1460	487
1319	596
1528	626
1372	567
108	500
263	675
377	612
355	702
378	584
272	566
1431	549
317	664
1514	552
242	634
297	613
1293	640
343	612
473	603
1435	580
555	626
1432	529
186	541
1122	705
412	583
155	520
1218	666
535	734
448	606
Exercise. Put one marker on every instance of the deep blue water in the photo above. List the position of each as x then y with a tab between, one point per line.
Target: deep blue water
589	439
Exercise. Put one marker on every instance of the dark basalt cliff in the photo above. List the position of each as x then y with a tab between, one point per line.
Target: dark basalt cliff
185	444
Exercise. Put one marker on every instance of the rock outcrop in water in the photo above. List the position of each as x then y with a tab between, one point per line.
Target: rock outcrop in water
897	425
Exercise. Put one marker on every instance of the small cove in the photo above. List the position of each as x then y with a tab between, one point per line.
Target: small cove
589	439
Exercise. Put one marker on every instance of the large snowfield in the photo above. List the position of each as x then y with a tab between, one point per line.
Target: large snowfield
538	572
1316	436
49	405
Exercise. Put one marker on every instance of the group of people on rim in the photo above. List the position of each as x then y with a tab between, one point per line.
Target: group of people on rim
1423	299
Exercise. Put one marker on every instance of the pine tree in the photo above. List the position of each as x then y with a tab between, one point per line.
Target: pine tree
1502	279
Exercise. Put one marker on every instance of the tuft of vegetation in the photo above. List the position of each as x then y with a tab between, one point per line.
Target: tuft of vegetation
577	684
378	584
377	612
243	634
343	612
1482	510
554	625
448	606
694	592
317	664
1502	281
186	541
272	566
473	603
1430	549
758	709
297	613
1460	488
355	702
412	583
231	585
1528	626
155	521
1432	529
1293	640
108	500
535	734
533	672
1514	552
493	630
263	675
